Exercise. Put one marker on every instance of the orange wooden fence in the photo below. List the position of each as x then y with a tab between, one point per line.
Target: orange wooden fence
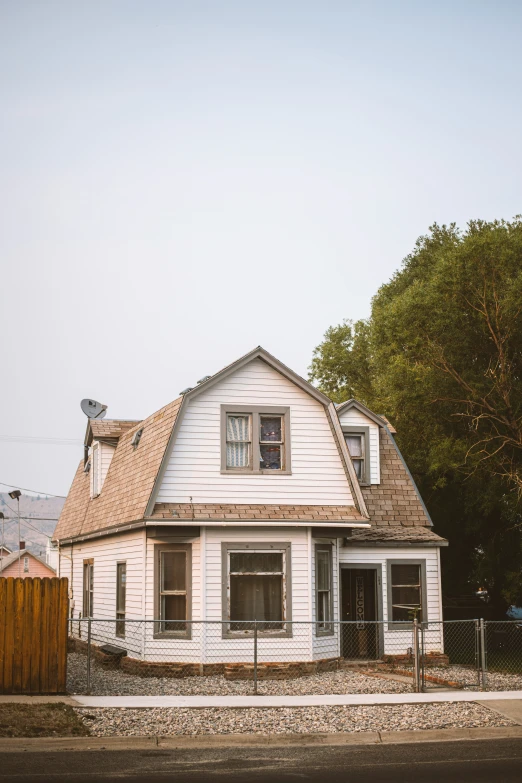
33	635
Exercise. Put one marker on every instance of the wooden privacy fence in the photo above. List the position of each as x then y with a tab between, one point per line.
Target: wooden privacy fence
33	635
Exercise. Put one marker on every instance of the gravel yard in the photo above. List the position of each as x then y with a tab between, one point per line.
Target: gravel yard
106	682
110	722
496	681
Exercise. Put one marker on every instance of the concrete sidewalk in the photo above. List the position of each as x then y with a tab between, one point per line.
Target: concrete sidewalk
350	699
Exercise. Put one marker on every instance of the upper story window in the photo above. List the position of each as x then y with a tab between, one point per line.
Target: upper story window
357	440
255	439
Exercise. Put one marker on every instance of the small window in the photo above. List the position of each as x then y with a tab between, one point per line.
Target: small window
173	580
355	443
121	588
239	442
26	565
323	588
406	588
88	588
256	587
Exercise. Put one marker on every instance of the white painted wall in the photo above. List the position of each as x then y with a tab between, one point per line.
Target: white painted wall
194	466
355	418
106	552
106	455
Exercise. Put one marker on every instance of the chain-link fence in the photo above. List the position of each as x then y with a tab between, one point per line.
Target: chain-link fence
149	657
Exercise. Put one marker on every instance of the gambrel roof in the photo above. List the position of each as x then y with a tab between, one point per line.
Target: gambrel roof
129	492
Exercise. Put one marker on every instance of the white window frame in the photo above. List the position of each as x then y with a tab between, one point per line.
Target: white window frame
88	587
159	627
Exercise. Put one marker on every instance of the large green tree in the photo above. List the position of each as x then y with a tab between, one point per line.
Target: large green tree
441	356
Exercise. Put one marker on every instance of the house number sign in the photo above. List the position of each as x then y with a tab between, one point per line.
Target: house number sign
359	602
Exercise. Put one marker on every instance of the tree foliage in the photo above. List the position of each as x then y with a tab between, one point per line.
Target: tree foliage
441	356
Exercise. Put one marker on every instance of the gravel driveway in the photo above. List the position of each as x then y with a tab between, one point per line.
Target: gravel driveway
117	683
110	722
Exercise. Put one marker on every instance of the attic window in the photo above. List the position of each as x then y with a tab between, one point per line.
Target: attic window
357	440
136	438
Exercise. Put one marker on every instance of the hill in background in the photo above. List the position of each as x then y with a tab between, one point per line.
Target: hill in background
41	513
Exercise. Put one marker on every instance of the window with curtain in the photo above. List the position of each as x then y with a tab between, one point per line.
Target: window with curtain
323	588
121	587
356	447
406	590
256	588
173	591
239	441
271	452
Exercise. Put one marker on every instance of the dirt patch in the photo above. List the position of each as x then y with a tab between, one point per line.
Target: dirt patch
40	720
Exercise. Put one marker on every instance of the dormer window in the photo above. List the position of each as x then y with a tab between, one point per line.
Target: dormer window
255	439
357	441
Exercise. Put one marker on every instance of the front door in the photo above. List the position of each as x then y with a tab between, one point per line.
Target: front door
360	637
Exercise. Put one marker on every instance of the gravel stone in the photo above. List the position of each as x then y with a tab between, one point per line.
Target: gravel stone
106	682
467	676
111	722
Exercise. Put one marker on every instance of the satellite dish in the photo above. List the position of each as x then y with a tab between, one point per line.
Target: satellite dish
93	409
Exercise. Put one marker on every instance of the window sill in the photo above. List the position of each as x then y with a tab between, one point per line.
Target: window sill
260	635
232	472
172	635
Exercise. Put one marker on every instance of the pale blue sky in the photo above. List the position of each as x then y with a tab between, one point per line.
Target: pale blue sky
182	181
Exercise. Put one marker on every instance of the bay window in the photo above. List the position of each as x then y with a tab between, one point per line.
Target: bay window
256	586
173	580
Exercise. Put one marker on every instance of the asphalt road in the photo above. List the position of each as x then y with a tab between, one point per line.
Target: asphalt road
485	761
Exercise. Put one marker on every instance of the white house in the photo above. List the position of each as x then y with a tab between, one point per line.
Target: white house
250	497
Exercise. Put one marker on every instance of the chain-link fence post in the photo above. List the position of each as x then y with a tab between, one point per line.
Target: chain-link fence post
483	665
477	654
422	658
255	657
416	661
89	621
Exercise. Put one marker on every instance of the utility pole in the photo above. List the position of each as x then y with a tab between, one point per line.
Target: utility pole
15	495
3	541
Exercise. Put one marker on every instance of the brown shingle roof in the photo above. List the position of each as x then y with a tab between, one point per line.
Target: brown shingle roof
398	533
128	483
110	428
395	500
245	511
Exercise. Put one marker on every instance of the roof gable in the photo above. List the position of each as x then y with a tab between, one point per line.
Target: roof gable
13	557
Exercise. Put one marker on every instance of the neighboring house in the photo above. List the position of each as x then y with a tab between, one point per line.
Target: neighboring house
30	565
4	551
239	501
51	554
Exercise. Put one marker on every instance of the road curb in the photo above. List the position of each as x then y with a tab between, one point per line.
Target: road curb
54	744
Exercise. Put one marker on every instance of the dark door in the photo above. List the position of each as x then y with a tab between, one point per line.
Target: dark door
360	637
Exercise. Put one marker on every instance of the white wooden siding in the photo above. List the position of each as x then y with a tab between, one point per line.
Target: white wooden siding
106	553
106	455
355	418
194	466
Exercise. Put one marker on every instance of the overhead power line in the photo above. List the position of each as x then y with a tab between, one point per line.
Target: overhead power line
36	492
49	441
